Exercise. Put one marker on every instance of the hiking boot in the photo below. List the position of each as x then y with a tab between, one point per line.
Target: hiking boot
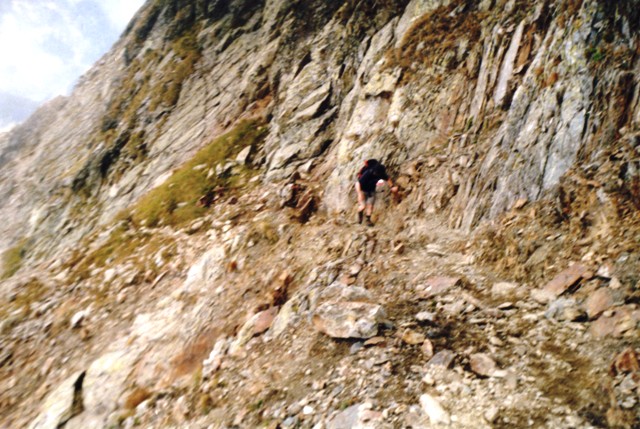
360	214
369	223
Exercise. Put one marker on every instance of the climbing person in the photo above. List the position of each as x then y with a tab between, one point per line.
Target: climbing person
371	175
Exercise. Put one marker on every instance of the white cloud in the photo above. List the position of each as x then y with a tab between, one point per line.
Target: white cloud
6	128
120	12
46	45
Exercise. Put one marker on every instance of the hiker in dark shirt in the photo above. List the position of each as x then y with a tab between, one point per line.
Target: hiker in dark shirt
371	175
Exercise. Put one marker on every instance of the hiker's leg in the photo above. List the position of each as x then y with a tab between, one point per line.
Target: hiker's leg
361	197
371	198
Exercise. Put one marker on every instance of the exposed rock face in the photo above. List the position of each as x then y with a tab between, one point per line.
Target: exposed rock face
492	110
508	99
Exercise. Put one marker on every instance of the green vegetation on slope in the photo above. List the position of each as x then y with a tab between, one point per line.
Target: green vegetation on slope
12	259
175	202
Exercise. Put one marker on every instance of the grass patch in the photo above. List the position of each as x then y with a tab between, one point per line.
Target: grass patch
175	202
29	293
167	92
12	259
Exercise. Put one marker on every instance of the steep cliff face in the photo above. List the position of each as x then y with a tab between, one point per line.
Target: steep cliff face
208	161
506	96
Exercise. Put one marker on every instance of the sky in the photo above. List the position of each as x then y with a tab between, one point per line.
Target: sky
46	45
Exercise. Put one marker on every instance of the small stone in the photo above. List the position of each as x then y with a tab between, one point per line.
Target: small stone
598	302
455	308
290	422
195	226
355	269
605	271
263	320
628	384
243	156
496	341
428	380
347	279
615	283
348	418
427	349
348	319
511	380
412	337
308	410
483	365
381	360
504	288
491	414
431	406
443	358
426	316
77	319
563	309
375	341
629	402
356	347
181	409
438	285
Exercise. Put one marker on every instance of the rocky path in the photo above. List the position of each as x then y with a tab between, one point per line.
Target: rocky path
348	327
402	329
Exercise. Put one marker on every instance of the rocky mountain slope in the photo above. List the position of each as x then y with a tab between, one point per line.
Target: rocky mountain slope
180	247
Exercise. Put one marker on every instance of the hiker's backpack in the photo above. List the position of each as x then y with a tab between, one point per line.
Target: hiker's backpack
368	164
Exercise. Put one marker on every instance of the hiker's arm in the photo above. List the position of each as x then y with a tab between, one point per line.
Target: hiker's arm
394	189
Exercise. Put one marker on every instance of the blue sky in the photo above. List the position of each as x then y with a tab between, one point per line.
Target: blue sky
45	45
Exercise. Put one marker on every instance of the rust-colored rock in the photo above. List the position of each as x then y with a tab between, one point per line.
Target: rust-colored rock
625	362
566	279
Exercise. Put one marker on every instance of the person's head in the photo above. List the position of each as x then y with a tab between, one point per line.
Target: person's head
371	162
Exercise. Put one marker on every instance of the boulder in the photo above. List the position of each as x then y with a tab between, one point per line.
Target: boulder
103	385
58	407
